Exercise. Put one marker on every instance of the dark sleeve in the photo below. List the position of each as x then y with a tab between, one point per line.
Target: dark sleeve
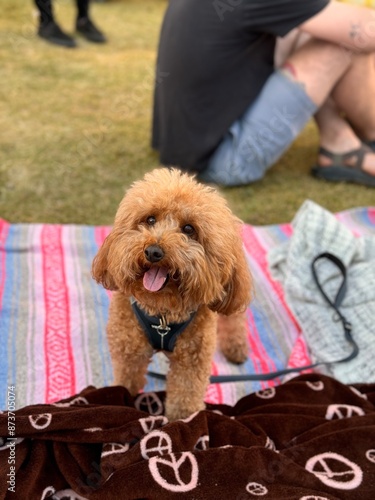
278	17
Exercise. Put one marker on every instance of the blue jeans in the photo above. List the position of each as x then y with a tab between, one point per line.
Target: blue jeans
262	134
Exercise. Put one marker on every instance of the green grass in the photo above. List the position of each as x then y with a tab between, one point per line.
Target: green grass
75	124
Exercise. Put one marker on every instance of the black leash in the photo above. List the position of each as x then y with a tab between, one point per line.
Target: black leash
334	304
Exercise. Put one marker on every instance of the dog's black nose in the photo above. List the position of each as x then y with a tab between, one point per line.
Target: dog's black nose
154	253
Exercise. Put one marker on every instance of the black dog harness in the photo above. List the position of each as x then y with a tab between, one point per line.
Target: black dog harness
162	336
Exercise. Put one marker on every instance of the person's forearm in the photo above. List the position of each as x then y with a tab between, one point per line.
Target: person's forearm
348	25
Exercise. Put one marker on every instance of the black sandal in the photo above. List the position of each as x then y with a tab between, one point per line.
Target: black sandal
339	171
370	144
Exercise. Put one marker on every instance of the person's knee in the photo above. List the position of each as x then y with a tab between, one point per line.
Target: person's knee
317	66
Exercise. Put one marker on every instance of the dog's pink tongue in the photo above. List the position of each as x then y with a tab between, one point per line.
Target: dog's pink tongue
154	278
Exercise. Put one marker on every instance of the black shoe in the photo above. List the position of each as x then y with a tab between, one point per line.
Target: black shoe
88	29
52	33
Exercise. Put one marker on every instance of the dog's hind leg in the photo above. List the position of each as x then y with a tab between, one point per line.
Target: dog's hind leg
232	337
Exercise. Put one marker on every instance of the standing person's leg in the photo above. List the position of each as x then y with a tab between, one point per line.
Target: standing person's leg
48	28
84	24
82	8
45	11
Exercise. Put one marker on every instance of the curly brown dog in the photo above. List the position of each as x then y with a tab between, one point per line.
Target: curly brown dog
174	259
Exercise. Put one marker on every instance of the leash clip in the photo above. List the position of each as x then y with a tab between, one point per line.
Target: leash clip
162	329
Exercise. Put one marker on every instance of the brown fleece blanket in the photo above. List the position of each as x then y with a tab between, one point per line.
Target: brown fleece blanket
311	438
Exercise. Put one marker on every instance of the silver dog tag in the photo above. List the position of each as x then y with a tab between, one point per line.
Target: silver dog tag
162	329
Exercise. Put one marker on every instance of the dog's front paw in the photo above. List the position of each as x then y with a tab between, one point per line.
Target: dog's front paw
174	412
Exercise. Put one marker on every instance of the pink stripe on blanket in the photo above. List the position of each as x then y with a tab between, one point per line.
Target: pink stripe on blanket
101	232
259	252
60	373
214	394
371	215
258	242
299	355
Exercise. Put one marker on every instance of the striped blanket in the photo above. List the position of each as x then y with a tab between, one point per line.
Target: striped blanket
53	314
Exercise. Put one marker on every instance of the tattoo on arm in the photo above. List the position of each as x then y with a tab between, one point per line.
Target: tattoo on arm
354	30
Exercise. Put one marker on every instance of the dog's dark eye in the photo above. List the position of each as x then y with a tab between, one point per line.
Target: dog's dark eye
188	229
151	220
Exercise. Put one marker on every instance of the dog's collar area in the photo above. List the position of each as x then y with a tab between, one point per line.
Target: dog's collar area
161	335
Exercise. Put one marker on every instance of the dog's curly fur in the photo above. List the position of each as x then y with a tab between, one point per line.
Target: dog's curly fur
200	247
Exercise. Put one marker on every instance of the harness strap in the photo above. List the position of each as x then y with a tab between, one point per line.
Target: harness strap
162	336
335	304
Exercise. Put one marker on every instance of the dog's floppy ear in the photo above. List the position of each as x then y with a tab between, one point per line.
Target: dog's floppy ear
99	268
238	289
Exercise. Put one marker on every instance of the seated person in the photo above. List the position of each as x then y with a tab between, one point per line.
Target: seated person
224	110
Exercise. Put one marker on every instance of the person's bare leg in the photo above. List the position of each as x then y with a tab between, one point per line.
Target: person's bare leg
337	136
355	95
322	69
288	44
318	66
335	132
354	92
